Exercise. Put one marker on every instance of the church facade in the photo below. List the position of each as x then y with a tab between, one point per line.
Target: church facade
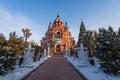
58	37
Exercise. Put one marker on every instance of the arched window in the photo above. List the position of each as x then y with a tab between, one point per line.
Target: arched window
58	35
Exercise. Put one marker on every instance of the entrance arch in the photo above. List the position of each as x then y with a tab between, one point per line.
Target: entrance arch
58	49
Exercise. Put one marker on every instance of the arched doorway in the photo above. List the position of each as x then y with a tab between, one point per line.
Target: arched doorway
58	49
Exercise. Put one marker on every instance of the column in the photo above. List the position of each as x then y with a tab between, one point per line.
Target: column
49	50
66	50
45	53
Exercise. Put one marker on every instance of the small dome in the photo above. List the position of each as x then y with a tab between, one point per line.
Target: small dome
58	21
58	17
50	26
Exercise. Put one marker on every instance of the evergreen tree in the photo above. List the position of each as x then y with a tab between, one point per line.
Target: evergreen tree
81	34
16	43
108	50
3	51
9	50
88	39
38	51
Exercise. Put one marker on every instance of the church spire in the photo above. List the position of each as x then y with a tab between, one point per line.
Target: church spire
66	23
58	15
50	23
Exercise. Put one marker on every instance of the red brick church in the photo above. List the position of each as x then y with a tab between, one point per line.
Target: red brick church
58	37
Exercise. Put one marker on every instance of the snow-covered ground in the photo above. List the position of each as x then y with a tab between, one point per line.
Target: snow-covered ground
91	72
20	72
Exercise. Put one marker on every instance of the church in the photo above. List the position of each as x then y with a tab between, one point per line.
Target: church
58	37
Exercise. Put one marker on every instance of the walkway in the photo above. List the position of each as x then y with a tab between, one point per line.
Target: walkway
55	68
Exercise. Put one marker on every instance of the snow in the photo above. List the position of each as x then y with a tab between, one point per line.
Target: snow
19	72
2	57
107	42
91	72
28	55
1	65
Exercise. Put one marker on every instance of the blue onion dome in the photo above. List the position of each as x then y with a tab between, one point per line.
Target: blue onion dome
50	25
58	17
58	21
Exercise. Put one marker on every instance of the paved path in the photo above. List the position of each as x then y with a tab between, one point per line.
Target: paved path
55	68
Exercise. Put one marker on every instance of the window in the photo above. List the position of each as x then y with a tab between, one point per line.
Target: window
60	23
58	35
57	23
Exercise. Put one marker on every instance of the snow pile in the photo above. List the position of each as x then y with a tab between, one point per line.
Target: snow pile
28	56
91	72
20	72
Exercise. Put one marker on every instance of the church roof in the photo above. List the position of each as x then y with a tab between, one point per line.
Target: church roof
58	19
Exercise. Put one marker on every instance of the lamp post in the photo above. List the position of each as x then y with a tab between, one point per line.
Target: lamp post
26	33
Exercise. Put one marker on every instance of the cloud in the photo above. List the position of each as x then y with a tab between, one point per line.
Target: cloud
10	22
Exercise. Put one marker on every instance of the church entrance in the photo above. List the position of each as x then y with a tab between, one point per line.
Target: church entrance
58	49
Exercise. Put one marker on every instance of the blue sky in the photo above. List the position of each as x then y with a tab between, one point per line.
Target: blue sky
36	15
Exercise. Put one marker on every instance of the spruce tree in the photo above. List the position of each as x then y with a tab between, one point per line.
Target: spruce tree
3	51
82	32
16	43
108	50
88	38
9	51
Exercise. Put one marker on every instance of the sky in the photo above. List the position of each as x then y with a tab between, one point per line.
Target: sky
36	15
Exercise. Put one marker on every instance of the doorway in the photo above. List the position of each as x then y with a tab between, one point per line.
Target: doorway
58	49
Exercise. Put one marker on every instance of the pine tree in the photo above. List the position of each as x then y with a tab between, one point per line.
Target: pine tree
3	51
16	43
89	42
108	50
88	38
81	33
9	50
38	52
